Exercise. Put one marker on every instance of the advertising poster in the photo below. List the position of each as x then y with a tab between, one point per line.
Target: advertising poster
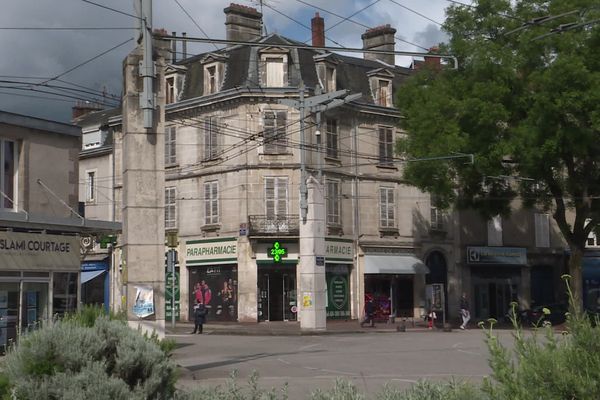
144	301
338	306
216	287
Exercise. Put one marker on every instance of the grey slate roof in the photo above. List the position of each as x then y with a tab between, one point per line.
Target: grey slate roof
242	69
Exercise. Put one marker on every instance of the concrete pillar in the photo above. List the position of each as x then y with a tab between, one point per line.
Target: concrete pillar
144	193
247	282
312	286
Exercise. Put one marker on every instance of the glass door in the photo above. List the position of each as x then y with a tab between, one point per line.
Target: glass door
263	297
34	305
482	299
9	313
289	297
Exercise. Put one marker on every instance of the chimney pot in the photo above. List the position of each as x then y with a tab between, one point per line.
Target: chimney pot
318	30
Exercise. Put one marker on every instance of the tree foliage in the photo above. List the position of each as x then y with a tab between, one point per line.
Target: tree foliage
524	102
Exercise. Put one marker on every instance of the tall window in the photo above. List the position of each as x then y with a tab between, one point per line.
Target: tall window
170	145
170	90
170	207
276	196
542	230
90	187
333	202
495	231
211	202
274	68
211	79
383	93
275	139
332	138
329	79
8	174
211	137
437	218
386	208
386	146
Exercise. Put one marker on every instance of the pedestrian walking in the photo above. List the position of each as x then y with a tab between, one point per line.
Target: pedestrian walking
464	311
431	317
369	313
199	317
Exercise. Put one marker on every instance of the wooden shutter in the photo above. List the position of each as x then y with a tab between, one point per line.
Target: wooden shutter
215	202
270	197
281	140
207	207
281	196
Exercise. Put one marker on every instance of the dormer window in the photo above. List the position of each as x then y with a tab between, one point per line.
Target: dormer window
380	81
170	90
214	73
274	67
326	71
383	95
174	77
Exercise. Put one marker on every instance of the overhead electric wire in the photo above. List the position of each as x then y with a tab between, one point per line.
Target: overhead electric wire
87	61
354	22
40	28
97	99
43	91
344	19
499	14
111	9
36	97
99	92
416	12
194	21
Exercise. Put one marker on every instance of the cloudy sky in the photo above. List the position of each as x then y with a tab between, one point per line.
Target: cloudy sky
30	58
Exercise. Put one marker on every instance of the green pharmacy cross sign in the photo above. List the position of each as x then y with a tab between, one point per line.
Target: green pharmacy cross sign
277	252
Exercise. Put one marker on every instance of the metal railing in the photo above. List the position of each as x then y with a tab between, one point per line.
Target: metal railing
280	225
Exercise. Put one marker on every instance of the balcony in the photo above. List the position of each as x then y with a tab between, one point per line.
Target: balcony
279	225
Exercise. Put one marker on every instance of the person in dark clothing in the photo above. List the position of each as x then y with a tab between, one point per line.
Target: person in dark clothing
369	313
199	317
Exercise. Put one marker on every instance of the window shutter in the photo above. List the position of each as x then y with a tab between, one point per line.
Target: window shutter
215	202
270	197
207	138
269	132
207	207
281	141
390	205
282	197
382	207
542	230
214	132
381	145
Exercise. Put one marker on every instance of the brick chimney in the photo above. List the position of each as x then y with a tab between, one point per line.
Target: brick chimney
380	38
317	25
433	62
242	23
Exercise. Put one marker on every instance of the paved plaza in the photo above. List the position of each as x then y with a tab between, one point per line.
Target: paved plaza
308	362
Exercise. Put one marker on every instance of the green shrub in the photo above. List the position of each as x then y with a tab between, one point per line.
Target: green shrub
232	391
71	360
427	390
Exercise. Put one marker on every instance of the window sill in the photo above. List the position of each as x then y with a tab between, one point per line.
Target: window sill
388	232
387	167
171	229
211	160
171	166
333	160
210	227
277	154
335	229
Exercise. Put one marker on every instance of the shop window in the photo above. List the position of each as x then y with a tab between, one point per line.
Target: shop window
64	292
211	203
494	228
90	187
34	305
275	138
8	174
170	145
542	230
386	208
386	146
332	138
211	136
9	313
333	202
170	207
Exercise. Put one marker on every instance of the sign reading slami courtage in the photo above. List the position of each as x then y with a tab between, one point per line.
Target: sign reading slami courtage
213	251
30	250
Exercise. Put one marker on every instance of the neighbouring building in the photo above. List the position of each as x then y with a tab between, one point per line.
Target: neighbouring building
40	227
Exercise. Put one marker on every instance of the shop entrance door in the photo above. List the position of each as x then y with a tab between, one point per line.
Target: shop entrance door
493	298
276	293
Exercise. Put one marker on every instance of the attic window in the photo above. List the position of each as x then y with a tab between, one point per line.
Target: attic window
170	90
383	93
274	71
274	67
211	79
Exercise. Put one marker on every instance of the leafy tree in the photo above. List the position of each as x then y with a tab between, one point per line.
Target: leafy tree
526	103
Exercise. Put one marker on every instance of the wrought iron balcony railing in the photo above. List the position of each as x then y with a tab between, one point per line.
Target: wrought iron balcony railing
278	225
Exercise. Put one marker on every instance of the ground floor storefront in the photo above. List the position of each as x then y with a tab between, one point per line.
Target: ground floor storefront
39	279
257	280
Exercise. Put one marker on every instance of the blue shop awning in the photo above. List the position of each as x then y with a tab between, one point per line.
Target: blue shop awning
87	276
394	264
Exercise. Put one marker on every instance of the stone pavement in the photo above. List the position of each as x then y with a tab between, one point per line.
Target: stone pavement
280	328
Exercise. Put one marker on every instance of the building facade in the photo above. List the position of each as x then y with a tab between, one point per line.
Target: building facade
232	177
40	227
